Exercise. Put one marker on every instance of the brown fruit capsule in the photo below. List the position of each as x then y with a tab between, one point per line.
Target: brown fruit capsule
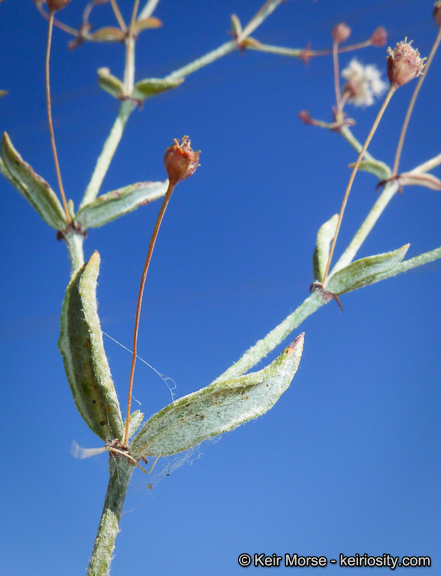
180	160
55	5
404	63
437	13
341	33
379	37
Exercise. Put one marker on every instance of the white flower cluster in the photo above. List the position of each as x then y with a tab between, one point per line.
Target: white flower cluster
363	83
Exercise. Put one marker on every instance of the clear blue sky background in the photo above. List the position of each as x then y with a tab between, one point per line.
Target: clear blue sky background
348	461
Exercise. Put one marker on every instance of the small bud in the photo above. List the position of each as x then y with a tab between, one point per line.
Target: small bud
180	160
437	13
55	5
404	63
341	33
305	117
379	37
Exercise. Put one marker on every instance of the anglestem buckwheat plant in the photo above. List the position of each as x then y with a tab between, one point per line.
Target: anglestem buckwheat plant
236	396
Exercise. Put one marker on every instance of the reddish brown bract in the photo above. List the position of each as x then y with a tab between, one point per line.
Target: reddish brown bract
180	160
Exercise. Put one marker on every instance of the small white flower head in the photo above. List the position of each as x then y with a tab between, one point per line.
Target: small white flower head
363	84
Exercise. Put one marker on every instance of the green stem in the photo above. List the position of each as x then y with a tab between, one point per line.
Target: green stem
120	473
362	233
356	145
223	50
274	338
74	242
109	149
148	9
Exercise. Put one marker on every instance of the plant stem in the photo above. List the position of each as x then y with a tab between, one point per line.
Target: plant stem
120	473
74	242
273	338
229	46
362	233
109	149
261	15
49	113
412	104
304	52
129	73
338	114
222	50
350	138
165	202
118	15
148	9
389	95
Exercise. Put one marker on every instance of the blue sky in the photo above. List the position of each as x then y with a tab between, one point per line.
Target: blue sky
348	460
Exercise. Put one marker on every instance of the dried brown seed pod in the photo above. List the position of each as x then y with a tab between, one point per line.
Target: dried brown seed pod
437	12
55	5
180	160
404	63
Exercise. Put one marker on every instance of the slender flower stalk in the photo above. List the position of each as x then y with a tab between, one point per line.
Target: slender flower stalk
165	202
129	78
412	103
389	95
49	112
180	163
118	15
338	115
340	34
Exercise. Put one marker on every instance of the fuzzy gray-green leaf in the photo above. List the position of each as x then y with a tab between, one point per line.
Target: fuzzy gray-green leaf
365	271
119	202
218	408
321	253
136	419
81	346
36	190
153	86
109	83
377	168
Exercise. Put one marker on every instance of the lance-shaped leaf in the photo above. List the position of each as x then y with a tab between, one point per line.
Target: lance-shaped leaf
146	24
136	419
154	86
109	83
236	26
108	34
375	167
321	253
81	346
406	265
218	408
32	186
365	271
415	179
119	202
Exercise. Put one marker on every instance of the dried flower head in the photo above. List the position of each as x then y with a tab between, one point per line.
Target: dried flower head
180	160
379	37
341	33
437	12
364	83
55	5
404	63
